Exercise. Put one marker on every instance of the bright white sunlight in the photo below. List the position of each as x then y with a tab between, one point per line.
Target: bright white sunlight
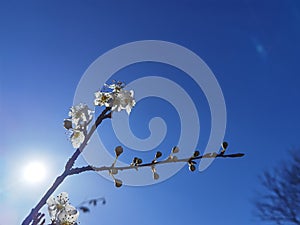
34	172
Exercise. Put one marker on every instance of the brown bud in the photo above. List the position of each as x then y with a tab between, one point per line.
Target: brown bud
155	176
139	161
158	154
67	124
224	145
135	159
118	150
196	153
192	167
175	149
118	183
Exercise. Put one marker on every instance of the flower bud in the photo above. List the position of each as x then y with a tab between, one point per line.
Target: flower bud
196	153
224	145
192	167
155	176
118	150
135	159
118	183
67	124
139	161
175	149
158	154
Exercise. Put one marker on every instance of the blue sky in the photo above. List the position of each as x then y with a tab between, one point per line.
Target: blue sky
251	46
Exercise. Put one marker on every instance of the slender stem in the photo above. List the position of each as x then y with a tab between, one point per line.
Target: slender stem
108	168
34	212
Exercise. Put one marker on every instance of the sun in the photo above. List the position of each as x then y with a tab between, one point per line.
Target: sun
34	172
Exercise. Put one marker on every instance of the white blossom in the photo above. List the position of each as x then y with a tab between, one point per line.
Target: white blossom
77	124
77	138
118	99
68	216
116	87
123	100
103	98
60	211
81	115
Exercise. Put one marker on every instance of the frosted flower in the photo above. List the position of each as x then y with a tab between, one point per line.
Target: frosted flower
103	98
61	211
81	115
77	138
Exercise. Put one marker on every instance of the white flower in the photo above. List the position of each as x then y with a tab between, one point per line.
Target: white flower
77	138
116	87
68	216
103	98
81	115
61	211
118	99
123	100
77	124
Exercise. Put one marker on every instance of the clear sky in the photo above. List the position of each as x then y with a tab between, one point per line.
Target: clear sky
251	46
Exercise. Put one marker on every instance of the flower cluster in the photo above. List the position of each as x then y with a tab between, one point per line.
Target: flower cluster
117	98
60	211
79	117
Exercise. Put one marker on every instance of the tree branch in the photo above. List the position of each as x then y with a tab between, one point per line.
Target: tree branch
34	212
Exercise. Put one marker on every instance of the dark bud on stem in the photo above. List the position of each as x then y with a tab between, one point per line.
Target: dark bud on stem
118	150
196	153
155	176
134	161
139	161
118	183
67	124
158	154
192	167
224	145
175	150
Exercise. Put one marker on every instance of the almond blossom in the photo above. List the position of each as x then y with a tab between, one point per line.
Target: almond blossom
77	123
118	99
60	211
81	115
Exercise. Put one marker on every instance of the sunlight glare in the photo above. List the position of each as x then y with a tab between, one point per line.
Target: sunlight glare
34	172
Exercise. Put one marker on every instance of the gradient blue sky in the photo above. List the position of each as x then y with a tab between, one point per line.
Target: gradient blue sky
251	46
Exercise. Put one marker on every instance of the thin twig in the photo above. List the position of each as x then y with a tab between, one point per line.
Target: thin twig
108	168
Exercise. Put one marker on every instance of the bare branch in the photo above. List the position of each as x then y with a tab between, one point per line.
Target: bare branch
281	202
